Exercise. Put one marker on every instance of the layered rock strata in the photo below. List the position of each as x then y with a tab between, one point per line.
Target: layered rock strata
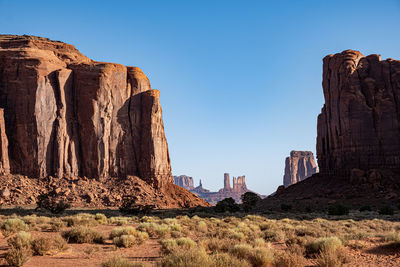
299	166
68	116
359	125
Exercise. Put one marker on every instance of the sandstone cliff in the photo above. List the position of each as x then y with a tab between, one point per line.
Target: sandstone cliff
359	125
68	116
184	181
358	136
299	166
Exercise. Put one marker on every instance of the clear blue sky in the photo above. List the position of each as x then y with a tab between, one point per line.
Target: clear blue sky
240	81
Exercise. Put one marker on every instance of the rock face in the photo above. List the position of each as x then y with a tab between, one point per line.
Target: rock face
359	125
66	115
184	181
358	138
4	161
299	166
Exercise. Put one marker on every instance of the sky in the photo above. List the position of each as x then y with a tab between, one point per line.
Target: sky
240	81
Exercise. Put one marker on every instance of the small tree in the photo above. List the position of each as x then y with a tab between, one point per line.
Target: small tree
129	206
227	204
249	200
46	202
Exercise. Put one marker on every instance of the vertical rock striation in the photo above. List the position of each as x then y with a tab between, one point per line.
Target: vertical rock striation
299	166
4	161
67	116
359	125
227	183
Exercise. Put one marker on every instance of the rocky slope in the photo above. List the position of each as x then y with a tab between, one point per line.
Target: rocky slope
299	166
184	181
358	135
67	117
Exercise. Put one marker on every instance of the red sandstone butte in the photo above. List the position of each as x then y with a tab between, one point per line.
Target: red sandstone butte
67	116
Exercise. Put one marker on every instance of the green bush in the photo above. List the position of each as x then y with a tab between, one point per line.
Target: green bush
386	210
286	207
46	202
227	204
20	249
83	234
338	209
14	225
365	208
324	243
249	200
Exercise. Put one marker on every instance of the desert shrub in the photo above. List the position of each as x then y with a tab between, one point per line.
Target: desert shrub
129	230
125	241
18	256
20	249
227	204
249	200
338	209
324	243
83	234
201	226
141	237
101	218
168	245
331	258
386	210
119	220
185	258
260	256
218	245
13	225
81	219
274	235
57	225
365	208
186	242
129	206
288	259
48	245
20	240
259	242
118	261
286	207
227	260
46	202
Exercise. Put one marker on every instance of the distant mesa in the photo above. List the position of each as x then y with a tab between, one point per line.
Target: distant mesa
184	181
236	191
299	166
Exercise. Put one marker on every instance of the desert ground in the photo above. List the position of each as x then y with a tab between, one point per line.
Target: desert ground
198	238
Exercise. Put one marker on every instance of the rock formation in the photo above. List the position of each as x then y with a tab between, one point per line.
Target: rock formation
299	166
184	181
239	184
68	116
359	125
358	136
235	192
227	182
